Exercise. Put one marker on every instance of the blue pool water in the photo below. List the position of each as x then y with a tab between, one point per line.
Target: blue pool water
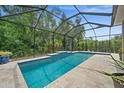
39	73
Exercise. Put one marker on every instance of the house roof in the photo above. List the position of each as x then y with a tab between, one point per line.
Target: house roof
118	15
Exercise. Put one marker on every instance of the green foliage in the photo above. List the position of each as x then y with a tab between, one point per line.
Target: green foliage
24	41
111	46
118	64
116	76
5	53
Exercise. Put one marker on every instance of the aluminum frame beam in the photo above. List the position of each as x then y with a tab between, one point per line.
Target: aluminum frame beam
41	9
106	35
99	24
20	13
87	30
86	20
96	13
47	12
74	28
34	39
65	21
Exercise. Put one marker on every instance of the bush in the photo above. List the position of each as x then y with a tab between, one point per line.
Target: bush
118	77
5	53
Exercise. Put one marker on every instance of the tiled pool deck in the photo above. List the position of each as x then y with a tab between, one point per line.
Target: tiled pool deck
79	77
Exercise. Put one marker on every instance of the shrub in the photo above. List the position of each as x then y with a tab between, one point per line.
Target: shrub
5	53
119	77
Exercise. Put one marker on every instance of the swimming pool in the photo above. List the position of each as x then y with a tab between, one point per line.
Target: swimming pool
41	72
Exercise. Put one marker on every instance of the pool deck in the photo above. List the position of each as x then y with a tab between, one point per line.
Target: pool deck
82	76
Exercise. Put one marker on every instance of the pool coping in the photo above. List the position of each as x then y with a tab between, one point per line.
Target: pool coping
47	57
47	86
20	81
20	78
30	59
63	79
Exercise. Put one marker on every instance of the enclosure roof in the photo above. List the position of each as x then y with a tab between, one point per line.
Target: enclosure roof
92	17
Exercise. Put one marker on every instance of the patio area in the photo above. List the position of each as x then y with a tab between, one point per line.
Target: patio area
37	32
81	76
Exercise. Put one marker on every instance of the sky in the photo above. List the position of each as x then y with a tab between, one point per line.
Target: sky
69	10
